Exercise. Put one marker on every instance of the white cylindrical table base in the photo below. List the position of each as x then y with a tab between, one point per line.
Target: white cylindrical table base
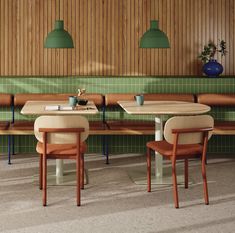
158	137
59	167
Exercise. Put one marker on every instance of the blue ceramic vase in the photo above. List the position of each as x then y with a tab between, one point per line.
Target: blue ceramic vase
212	68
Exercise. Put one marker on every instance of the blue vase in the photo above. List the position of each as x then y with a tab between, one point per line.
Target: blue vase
212	68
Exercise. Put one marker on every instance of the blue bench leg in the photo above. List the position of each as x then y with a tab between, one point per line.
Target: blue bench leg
103	145
9	149
107	149
13	145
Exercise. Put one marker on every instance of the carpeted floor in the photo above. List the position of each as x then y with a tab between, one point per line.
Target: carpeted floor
112	202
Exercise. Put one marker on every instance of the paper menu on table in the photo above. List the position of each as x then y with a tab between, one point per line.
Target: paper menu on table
58	108
52	108
65	108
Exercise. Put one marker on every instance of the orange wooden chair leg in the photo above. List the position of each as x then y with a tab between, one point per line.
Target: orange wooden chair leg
175	188
186	173
44	184
40	172
78	173
82	171
149	169
206	197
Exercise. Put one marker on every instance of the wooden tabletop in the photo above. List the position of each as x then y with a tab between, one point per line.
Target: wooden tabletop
39	108
164	107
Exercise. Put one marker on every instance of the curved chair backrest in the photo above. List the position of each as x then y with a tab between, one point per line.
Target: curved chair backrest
184	122
61	122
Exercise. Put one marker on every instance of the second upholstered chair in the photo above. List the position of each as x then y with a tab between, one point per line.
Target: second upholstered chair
185	137
61	137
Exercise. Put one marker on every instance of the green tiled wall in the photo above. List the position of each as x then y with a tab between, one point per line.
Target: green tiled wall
104	85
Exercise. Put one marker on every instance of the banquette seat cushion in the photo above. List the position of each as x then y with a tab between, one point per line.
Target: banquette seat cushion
223	127
216	99
170	97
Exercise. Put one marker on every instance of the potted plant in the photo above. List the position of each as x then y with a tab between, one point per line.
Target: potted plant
211	67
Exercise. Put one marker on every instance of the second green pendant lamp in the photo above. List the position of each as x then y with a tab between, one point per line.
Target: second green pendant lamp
154	37
59	37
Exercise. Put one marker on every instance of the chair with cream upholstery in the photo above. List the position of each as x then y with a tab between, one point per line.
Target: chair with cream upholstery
185	137
61	137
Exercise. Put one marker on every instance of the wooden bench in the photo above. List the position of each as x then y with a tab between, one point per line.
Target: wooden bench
6	101
222	127
108	126
135	127
26	127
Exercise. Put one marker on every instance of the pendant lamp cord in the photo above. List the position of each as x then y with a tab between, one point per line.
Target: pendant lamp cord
57	3
59	9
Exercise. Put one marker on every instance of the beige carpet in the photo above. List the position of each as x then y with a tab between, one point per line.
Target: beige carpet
112	202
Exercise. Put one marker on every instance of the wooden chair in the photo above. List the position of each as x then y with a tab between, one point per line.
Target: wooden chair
61	137
185	137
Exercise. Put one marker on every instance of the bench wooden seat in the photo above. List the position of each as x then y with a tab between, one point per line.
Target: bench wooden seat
131	127
22	125
5	101
224	128
4	125
97	128
27	128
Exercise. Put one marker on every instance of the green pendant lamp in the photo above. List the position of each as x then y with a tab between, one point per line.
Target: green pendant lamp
154	38
59	38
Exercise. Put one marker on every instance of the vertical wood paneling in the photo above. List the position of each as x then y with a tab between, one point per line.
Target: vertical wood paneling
106	36
124	37
231	38
227	31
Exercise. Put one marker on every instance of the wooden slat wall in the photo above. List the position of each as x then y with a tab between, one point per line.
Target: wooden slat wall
106	35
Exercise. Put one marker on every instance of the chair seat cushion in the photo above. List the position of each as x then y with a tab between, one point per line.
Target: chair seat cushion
22	125
4	125
165	149
61	149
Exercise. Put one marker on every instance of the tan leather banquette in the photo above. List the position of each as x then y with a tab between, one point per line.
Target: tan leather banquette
222	100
